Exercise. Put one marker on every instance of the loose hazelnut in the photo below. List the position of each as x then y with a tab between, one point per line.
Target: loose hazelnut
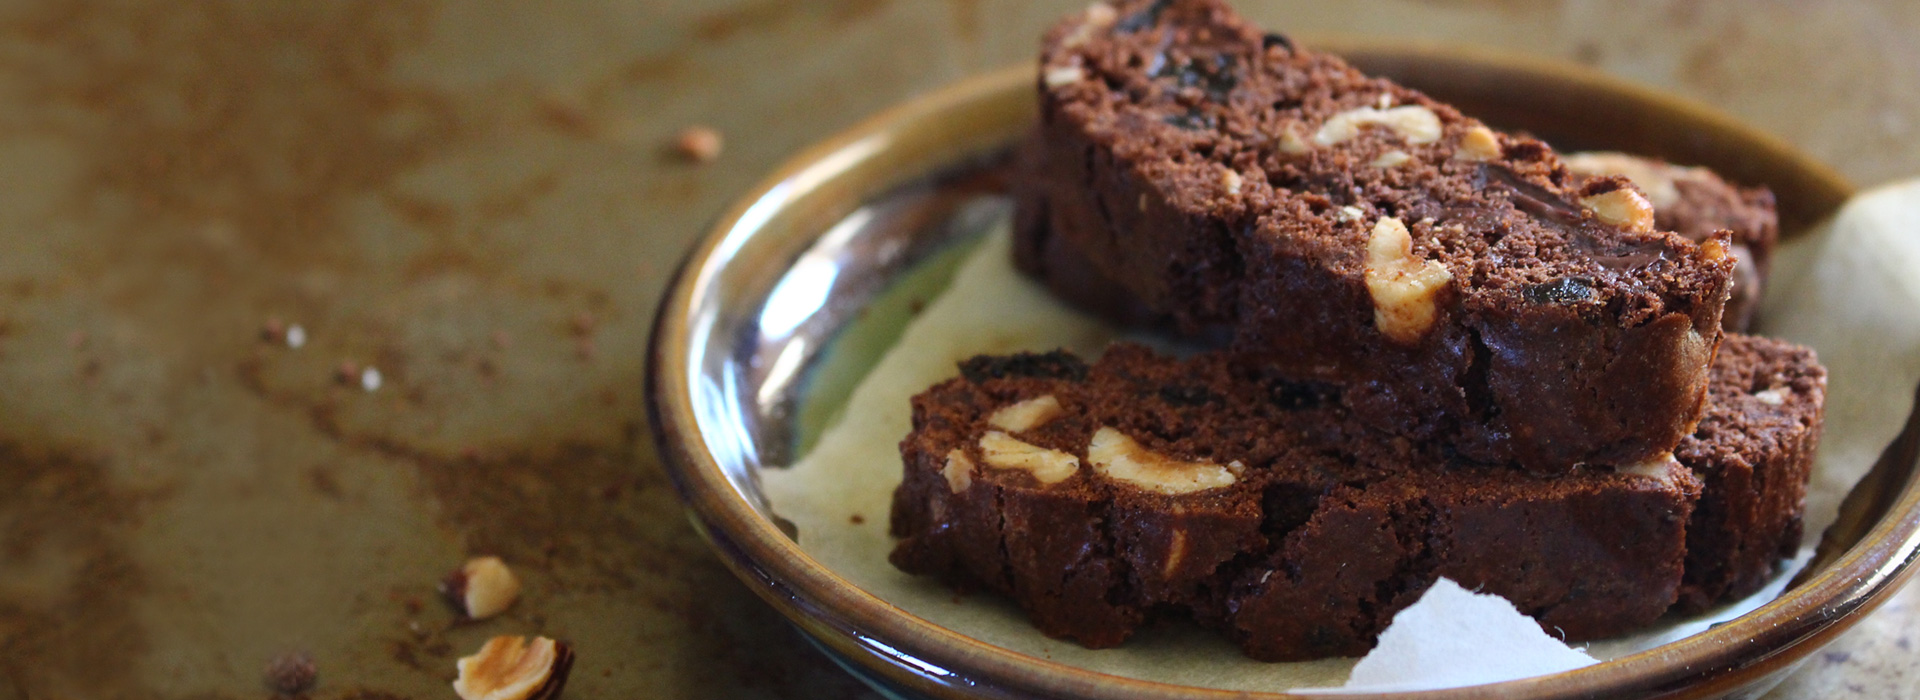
1415	124
1478	144
482	588
700	144
1026	415
1120	458
513	668
1391	159
1403	287
1001	451
1063	76
959	471
1622	207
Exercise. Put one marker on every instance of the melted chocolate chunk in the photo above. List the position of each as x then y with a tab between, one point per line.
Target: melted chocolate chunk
1575	223
1566	290
1058	364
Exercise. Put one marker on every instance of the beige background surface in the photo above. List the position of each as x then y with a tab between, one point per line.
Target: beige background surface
475	199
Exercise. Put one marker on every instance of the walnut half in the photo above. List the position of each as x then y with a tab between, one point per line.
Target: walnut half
514	668
1120	458
1002	451
1404	288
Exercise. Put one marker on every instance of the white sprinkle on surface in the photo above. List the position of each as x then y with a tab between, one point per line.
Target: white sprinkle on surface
296	336
370	379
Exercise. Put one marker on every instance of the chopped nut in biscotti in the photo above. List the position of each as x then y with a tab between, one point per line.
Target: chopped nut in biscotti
1622	207
959	471
1391	159
1478	144
1120	458
1403	287
1098	16
1290	143
514	668
1001	451
1230	181
482	588
1064	76
1772	397
1415	124
1026	415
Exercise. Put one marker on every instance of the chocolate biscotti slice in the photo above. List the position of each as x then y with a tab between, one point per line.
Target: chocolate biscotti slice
1754	453
1697	203
1690	200
1455	277
1097	496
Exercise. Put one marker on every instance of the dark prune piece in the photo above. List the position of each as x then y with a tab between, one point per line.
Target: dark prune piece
1058	364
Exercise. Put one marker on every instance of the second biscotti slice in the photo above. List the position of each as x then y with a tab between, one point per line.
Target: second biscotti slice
1346	226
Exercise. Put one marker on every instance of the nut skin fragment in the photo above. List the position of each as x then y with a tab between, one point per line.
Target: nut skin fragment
1478	144
699	144
1120	458
1026	415
1415	124
511	667
1404	288
482	588
1622	207
1001	451
958	471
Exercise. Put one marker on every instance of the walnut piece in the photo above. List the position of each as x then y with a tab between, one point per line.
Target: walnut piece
1655	178
1001	451
482	588
1622	207
1391	159
1478	144
513	668
1403	287
1120	458
958	470
1026	415
1415	124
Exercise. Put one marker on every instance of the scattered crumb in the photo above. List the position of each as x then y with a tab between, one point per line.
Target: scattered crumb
291	673
584	323
370	379
273	330
857	519
700	144
296	336
347	373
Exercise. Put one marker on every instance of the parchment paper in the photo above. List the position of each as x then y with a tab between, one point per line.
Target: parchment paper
1850	290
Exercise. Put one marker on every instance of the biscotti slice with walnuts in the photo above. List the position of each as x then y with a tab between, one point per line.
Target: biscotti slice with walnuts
1457	279
1697	203
1096	496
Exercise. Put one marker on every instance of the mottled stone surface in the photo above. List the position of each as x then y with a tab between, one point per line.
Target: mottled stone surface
480	201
